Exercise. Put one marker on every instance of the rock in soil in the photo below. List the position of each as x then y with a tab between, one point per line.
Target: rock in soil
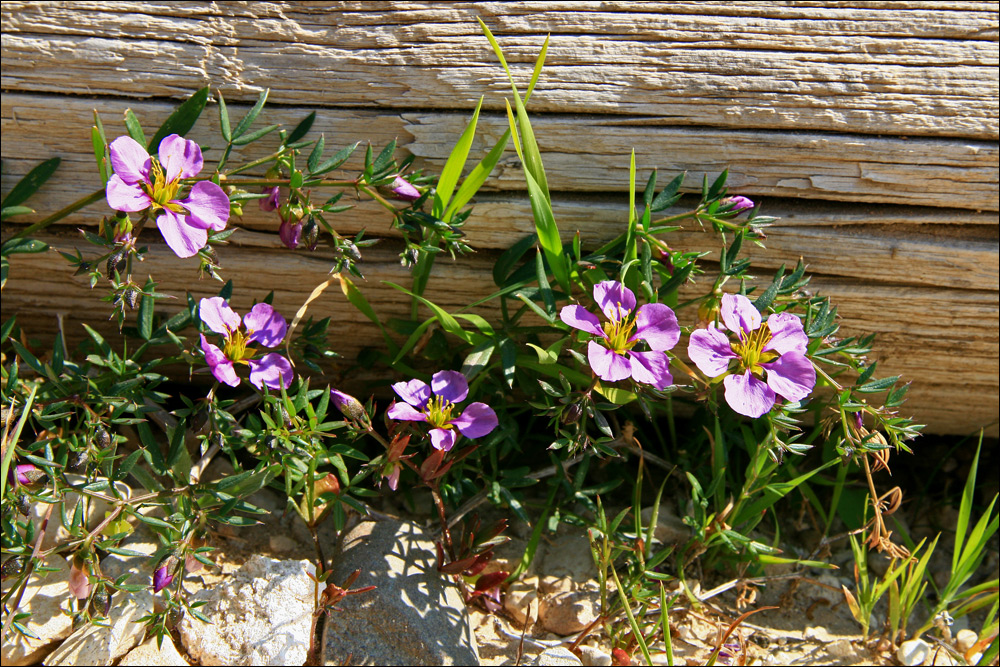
261	615
570	612
559	655
569	556
46	598
415	616
148	653
104	645
913	652
521	600
594	657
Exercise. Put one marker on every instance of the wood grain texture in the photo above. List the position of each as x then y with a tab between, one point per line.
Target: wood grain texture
884	67
858	168
918	327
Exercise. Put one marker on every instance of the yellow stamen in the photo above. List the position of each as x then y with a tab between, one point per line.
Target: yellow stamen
618	332
160	191
438	412
751	352
235	347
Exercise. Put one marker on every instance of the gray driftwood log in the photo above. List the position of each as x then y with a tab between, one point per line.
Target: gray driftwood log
869	128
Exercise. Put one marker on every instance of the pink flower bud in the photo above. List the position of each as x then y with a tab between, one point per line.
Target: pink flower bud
348	405
79	580
739	203
403	190
162	578
272	200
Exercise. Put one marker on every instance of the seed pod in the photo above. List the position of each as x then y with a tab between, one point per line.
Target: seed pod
131	297
350	250
310	233
271	442
23	505
100	603
101	437
13	566
572	413
77	460
116	262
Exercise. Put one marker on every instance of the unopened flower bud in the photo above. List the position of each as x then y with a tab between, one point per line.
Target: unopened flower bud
79	578
131	297
290	234
348	405
77	460
23	504
28	474
272	200
310	233
403	190
739	203
13	566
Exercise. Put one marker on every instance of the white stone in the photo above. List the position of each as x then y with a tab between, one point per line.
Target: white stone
556	656
148	653
521	601
282	544
594	657
261	615
567	613
965	639
913	652
104	645
842	648
46	597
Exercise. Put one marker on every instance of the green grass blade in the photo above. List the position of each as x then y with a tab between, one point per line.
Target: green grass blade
11	444
448	322
539	62
470	186
456	163
965	508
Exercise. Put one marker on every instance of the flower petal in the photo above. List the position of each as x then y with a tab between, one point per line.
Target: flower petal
207	205
414	392
128	197
219	364
710	351
290	234
181	237
218	316
450	385
130	160
393	477
405	412
271	201
739	314
477	420
179	157
443	438
580	318
748	395
787	334
657	325
791	375
267	327
614	299
651	368
404	190
272	370
608	365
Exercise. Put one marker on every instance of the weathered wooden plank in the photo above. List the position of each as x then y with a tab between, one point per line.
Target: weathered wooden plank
918	171
919	328
887	68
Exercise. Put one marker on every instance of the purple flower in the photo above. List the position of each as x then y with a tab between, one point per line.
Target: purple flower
404	190
261	325
161	578
778	348
26	473
739	203
612	356
271	201
435	404
142	182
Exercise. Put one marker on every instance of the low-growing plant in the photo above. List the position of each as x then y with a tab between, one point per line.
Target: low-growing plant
593	355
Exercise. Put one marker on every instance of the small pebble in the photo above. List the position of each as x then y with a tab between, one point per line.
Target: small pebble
913	652
594	657
965	639
556	656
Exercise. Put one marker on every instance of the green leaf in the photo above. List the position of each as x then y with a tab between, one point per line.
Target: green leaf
452	170
133	128
477	359
614	394
22	246
385	158
302	129
509	258
224	127
31	182
470	186
251	116
181	120
255	135
316	155
144	316
338	159
11	211
539	62
448	322
669	194
359	301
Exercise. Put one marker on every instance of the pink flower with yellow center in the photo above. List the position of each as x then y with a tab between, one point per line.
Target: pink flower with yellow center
262	325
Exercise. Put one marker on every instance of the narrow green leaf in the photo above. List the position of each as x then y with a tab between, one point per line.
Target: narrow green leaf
508	360
100	154
224	127
23	246
11	211
11	443
452	170
255	135
181	120
539	62
448	322
359	301
470	186
144	316
251	116
385	158
965	507
31	182
316	155
509	258
338	159
133	127
302	129
477	359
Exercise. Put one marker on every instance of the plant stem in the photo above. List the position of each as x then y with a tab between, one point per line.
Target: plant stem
60	214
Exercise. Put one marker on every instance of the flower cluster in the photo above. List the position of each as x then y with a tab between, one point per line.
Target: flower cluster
262	325
142	182
435	404
777	350
612	354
